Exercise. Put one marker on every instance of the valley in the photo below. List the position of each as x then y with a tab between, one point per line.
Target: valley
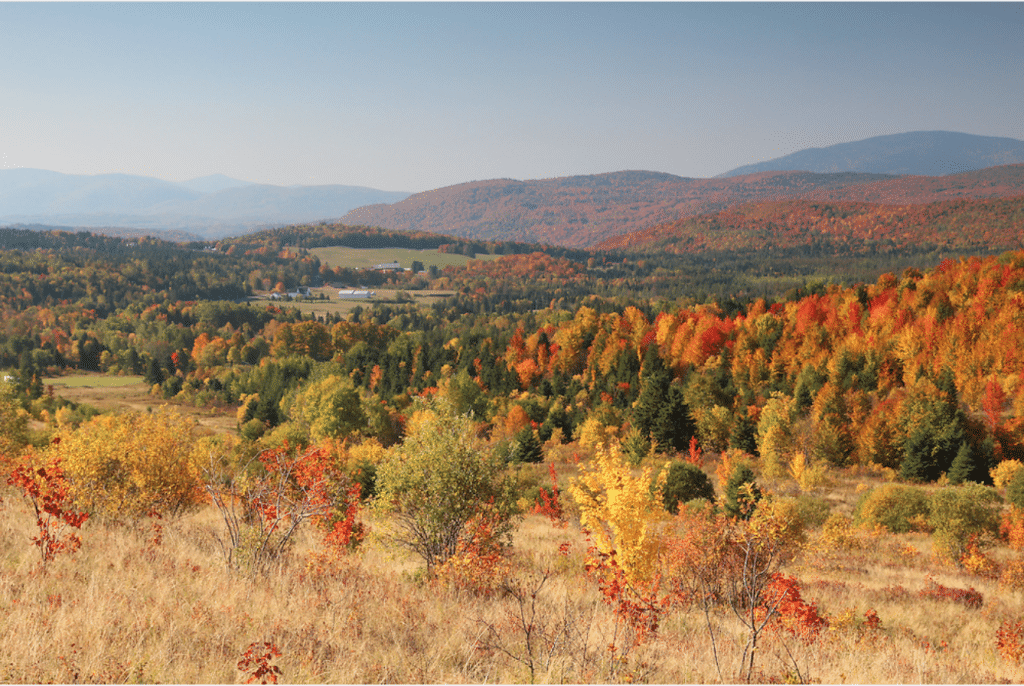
526	461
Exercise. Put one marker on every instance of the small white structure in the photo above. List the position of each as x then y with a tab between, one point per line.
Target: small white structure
300	292
388	267
352	294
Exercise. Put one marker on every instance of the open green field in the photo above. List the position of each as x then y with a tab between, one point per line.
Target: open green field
343	307
356	258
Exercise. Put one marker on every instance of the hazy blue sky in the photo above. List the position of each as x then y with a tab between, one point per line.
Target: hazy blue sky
412	96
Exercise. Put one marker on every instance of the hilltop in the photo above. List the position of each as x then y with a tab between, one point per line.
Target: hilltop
920	153
580	211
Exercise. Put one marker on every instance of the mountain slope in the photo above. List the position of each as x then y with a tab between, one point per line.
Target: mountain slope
583	211
923	153
847	227
579	211
213	183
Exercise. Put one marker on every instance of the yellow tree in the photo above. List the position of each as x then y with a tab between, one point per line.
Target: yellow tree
127	466
623	514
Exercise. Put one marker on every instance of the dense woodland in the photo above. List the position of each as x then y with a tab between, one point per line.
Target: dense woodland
846	228
643	373
561	339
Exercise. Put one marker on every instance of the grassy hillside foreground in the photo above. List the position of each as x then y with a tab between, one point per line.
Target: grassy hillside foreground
154	602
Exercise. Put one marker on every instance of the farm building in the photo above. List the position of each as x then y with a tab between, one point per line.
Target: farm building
350	294
300	292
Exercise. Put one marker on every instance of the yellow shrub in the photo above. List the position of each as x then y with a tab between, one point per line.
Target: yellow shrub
123	467
807	473
837	533
370	450
621	511
1004	472
594	434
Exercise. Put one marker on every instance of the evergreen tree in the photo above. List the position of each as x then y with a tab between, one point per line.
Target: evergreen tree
683	483
967	466
654	384
744	434
918	463
636	446
673	427
737	503
525	447
153	374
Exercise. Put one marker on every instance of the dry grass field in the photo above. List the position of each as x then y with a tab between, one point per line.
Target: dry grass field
131	394
151	602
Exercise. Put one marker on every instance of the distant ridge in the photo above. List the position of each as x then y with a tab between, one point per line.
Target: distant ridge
580	211
214	206
921	153
213	183
584	211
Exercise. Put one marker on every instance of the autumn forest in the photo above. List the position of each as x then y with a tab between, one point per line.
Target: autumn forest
777	440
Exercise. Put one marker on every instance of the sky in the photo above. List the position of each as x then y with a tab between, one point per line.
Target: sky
416	96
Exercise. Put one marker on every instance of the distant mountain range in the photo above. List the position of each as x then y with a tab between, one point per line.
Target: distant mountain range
212	206
575	211
921	153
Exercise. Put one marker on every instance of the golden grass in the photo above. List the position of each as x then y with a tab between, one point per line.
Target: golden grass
126	610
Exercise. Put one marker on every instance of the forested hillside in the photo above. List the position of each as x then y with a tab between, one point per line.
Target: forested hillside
845	228
581	339
590	449
582	211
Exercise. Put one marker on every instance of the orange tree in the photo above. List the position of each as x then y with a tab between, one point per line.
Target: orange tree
46	488
714	562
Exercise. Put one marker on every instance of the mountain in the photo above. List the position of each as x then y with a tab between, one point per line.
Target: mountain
922	153
213	183
579	211
584	211
214	206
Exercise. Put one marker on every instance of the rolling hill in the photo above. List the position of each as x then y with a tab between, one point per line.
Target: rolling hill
584	211
580	211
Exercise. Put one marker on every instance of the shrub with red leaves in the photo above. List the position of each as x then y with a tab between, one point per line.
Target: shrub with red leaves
968	597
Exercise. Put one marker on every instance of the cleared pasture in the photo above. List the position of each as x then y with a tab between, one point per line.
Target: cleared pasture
335	305
132	394
360	258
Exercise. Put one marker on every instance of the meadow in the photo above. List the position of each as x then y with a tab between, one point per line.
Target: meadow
862	448
128	393
333	305
153	600
361	258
